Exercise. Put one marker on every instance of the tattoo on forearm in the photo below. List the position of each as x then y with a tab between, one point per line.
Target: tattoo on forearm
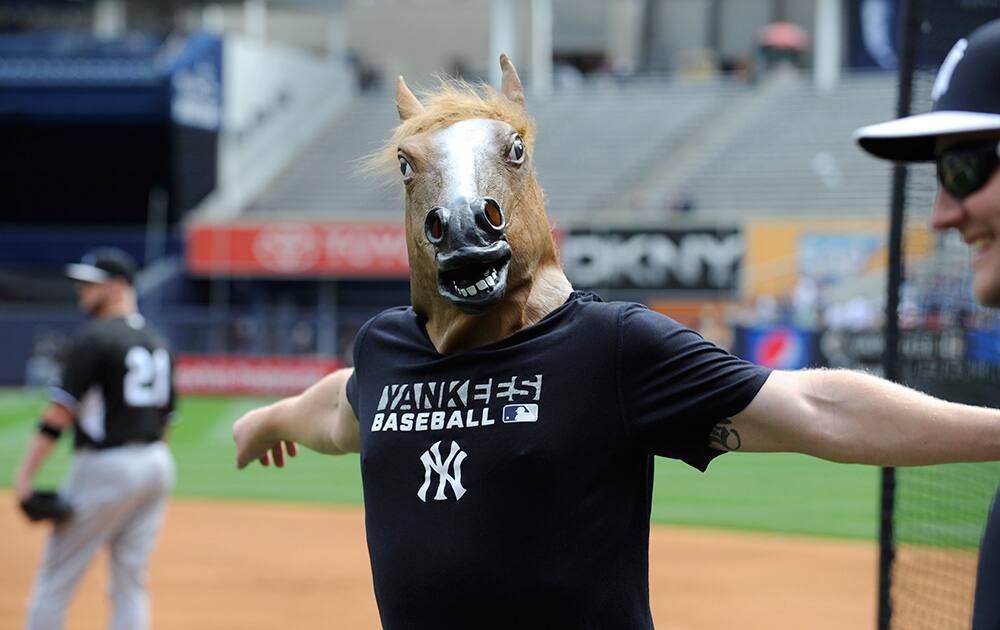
724	437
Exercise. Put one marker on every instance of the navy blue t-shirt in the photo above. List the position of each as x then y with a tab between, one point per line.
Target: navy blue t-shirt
509	486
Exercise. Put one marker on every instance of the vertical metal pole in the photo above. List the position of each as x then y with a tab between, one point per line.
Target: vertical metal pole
827	54
219	291
625	21
779	11
156	245
338	32
213	18
501	36
713	33
649	35
541	47
255	19
887	548
910	12
110	18
327	319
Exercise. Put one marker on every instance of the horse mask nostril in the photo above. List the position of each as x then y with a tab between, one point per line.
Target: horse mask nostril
434	226
494	214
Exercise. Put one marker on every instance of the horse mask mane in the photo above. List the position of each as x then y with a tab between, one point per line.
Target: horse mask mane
483	263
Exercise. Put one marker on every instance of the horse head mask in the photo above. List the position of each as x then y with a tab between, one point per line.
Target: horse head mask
482	260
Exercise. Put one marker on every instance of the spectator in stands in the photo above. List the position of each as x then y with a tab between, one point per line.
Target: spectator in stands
962	135
683	203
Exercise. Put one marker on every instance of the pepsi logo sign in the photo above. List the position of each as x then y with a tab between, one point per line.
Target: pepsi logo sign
780	348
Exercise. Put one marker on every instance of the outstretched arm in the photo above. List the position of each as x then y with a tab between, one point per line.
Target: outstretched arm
320	418
852	417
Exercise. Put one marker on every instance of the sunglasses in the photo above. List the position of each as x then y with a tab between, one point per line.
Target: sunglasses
964	168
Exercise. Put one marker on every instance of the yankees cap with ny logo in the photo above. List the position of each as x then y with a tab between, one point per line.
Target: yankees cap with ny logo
966	97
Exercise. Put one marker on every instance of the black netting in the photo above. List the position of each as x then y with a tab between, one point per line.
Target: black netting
949	347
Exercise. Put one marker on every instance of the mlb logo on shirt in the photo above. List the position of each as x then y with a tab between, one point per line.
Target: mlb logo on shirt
520	413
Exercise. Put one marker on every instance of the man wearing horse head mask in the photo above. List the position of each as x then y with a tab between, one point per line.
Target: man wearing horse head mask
507	424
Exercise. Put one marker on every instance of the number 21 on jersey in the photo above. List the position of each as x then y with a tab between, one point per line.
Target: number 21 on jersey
147	381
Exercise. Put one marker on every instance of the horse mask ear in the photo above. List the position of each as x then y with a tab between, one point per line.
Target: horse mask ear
510	86
406	103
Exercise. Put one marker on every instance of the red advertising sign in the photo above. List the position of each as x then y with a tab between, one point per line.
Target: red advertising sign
299	249
264	376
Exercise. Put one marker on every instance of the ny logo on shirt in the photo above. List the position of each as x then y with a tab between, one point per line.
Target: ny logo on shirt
432	462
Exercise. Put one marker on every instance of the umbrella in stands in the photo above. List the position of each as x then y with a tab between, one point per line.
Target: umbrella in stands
783	36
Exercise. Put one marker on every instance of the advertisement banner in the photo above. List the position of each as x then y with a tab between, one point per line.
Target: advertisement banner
872	34
949	21
776	347
984	346
299	249
707	260
873	29
828	252
966	359
196	83
255	376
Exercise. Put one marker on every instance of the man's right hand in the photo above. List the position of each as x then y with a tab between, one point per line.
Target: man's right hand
320	419
255	439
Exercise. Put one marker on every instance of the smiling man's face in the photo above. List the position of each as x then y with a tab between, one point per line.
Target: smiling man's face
977	219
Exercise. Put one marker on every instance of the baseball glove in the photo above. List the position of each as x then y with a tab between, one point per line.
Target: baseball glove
43	505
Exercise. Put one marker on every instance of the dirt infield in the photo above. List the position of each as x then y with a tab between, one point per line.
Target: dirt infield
932	588
229	565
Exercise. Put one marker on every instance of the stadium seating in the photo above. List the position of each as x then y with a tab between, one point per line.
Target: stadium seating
577	138
777	149
794	156
323	179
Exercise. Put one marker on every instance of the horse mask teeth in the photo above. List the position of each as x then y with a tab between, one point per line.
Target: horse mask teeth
472	284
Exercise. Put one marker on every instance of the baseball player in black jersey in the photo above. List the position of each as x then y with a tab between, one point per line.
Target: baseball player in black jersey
962	135
117	393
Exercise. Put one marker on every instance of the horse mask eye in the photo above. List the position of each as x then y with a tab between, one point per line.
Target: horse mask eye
516	153
405	168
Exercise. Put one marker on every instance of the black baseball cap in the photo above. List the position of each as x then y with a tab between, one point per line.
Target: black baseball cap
101	265
966	97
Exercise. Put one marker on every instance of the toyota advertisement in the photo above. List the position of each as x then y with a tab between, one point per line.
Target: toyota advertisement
343	249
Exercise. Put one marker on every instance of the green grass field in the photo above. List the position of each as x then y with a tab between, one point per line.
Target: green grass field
756	492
